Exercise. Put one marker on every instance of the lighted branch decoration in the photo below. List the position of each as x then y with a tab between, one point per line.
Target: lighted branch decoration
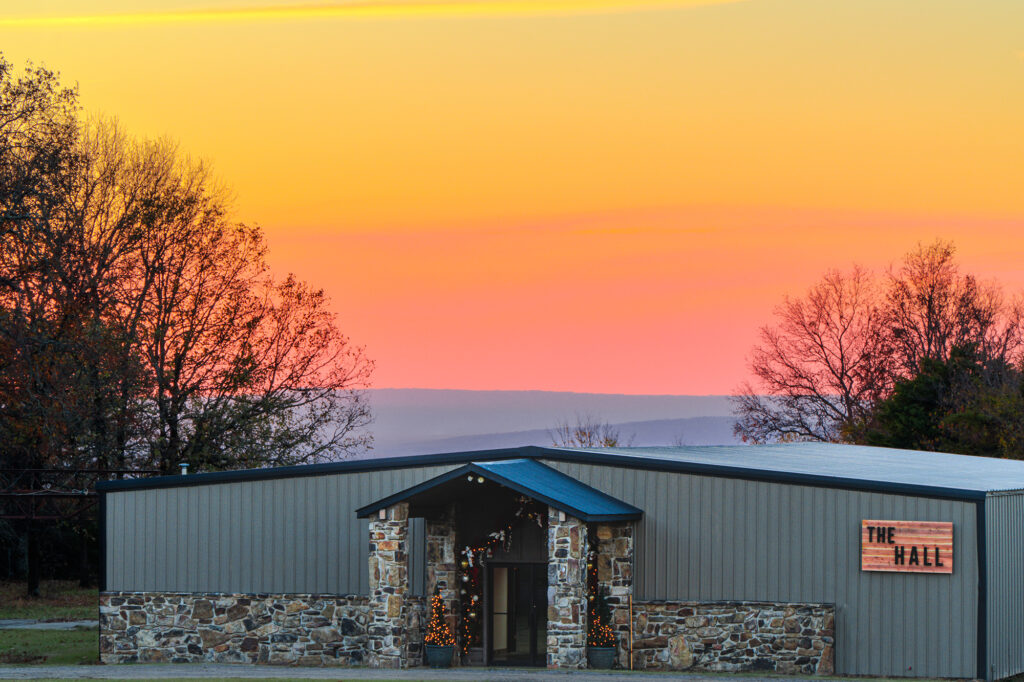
438	632
471	565
599	629
599	615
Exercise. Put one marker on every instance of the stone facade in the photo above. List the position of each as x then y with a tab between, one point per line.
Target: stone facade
285	629
567	591
416	611
615	572
387	630
734	636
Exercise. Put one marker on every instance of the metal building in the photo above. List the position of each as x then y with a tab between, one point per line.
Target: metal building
812	529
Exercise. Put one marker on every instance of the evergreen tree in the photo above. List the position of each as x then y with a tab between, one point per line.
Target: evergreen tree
965	404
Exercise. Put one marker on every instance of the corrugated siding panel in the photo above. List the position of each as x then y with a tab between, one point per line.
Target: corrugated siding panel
707	538
418	556
296	535
1004	543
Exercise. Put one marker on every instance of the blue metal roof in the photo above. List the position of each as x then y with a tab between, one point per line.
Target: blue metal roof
533	479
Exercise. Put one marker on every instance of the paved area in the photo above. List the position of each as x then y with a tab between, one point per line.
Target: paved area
43	625
207	670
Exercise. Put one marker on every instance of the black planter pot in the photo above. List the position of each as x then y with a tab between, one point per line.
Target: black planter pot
600	657
439	656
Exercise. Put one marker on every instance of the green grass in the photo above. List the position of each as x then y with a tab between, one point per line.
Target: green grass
58	600
50	647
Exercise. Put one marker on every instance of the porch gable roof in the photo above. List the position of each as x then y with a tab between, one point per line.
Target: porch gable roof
533	479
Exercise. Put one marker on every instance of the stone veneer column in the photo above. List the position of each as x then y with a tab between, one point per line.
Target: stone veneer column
615	572
567	591
441	566
389	588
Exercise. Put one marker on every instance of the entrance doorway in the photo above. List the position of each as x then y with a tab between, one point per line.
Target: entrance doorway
518	614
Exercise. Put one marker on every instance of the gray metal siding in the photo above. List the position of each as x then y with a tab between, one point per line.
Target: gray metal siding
1004	543
708	538
292	535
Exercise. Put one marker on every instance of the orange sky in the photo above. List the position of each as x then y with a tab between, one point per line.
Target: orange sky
572	195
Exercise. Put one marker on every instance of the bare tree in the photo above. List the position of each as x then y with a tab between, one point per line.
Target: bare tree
833	354
932	308
821	367
587	431
241	370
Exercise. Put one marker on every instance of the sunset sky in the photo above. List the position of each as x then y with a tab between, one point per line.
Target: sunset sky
572	195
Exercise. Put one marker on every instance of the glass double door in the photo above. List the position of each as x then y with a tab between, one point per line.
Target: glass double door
518	614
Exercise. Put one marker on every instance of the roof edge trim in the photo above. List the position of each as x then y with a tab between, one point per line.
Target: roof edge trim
538	452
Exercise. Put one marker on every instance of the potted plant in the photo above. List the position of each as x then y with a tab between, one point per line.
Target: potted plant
439	641
600	638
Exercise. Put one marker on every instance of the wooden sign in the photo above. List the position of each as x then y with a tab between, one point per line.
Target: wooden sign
906	546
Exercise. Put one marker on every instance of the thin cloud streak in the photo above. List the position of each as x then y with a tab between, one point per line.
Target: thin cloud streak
356	9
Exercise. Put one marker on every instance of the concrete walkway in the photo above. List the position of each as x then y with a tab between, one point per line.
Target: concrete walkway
207	670
46	625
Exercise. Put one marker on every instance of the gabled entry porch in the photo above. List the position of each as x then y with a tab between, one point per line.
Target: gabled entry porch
507	550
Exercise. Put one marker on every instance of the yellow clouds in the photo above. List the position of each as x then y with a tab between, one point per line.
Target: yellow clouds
355	9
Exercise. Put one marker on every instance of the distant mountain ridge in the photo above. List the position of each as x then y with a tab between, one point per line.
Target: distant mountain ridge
423	421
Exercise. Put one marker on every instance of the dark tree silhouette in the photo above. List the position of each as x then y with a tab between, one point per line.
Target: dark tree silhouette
962	404
834	354
139	323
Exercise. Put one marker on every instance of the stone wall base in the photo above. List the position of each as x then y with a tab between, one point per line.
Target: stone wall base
331	630
734	637
292	629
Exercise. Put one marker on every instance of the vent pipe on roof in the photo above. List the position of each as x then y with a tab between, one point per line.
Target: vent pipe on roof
184	468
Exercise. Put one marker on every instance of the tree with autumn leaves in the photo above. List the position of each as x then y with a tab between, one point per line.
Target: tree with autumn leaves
140	326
